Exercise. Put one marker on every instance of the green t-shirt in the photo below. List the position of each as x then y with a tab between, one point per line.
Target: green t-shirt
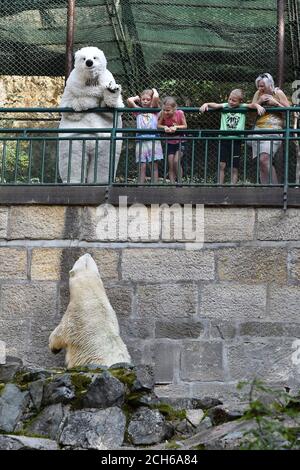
233	121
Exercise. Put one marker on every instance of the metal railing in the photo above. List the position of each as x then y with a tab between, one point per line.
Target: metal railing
108	156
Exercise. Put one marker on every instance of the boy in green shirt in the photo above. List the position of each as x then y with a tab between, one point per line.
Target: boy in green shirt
231	121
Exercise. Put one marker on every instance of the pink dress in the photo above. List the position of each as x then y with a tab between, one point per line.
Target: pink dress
175	120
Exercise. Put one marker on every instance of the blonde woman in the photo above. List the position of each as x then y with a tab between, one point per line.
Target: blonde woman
268	95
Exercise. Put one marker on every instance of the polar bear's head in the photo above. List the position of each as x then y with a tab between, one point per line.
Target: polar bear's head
90	61
84	277
85	264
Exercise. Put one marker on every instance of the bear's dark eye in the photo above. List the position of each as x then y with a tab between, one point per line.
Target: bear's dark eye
95	58
83	58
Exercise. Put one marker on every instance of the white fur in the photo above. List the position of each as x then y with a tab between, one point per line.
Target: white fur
89	87
89	329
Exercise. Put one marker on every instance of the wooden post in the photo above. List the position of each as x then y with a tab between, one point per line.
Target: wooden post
70	37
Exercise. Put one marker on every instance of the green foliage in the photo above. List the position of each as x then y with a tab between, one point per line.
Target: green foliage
276	415
14	164
133	399
125	376
172	445
24	161
169	412
81	383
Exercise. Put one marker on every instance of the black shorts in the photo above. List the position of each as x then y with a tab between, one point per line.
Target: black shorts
173	148
226	151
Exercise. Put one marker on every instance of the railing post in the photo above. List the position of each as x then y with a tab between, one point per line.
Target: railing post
286	159
112	150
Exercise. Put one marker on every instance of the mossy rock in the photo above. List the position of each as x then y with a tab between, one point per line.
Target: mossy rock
27	423
89	368
169	412
81	382
133	399
24	376
25	433
172	445
126	376
199	447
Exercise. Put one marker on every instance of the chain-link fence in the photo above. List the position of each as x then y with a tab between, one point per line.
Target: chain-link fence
32	37
184	47
192	49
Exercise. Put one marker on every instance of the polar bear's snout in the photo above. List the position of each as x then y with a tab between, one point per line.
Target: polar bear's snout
89	63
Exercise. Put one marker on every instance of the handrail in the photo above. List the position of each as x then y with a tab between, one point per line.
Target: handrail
192	109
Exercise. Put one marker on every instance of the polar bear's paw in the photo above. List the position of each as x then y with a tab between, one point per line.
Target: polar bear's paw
112	95
84	103
113	87
72	116
79	105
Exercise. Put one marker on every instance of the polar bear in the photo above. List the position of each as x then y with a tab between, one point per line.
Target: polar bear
90	85
89	330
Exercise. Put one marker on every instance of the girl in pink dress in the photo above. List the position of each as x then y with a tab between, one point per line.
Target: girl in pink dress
170	119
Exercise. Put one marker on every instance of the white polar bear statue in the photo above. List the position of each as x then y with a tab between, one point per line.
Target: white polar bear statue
90	85
89	330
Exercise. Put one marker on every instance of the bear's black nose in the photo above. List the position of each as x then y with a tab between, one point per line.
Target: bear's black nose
89	63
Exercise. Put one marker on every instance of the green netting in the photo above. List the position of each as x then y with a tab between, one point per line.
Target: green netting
173	45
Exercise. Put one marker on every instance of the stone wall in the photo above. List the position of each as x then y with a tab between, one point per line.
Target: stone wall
205	319
30	91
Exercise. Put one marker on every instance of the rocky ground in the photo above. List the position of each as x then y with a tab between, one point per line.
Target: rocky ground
112	408
101	408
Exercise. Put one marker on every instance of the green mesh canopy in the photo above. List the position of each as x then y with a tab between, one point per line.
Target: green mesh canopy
151	40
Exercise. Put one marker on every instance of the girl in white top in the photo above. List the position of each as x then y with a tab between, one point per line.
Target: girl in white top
147	151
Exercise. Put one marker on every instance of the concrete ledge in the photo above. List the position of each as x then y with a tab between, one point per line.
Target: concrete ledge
235	196
95	195
53	195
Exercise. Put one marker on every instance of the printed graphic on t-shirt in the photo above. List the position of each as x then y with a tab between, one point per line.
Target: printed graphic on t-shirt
232	120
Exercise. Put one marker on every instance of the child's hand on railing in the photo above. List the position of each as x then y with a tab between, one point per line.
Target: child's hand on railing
203	108
171	129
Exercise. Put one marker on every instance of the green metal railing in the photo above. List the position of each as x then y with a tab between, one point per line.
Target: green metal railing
32	155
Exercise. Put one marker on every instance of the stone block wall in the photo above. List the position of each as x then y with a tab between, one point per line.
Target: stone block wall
205	319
